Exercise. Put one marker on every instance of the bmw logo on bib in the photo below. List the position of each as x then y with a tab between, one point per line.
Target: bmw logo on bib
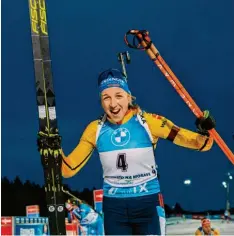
120	137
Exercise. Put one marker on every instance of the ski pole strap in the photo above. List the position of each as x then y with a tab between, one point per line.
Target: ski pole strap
138	37
205	143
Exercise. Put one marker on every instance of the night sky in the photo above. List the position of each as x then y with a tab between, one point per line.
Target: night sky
194	37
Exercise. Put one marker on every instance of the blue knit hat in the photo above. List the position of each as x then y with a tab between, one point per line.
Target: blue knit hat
112	78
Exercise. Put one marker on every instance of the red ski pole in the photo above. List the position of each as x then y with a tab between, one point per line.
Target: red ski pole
145	43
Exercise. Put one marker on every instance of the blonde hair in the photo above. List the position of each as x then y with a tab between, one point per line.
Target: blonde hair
132	105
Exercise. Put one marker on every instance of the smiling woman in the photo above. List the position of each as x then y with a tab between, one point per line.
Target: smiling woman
125	138
115	103
115	94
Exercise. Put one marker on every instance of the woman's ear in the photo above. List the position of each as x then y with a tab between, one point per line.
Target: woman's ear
129	99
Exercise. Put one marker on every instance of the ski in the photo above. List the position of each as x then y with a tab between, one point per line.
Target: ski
51	160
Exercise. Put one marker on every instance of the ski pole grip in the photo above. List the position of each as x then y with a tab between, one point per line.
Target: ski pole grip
139	36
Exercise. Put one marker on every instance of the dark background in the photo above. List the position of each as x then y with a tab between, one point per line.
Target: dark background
194	37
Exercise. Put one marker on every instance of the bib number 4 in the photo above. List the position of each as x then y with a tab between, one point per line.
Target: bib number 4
121	162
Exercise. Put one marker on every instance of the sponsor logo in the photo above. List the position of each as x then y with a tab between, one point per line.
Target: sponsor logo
60	208
129	181
143	188
35	15
112	191
112	80
164	122
51	208
98	195
132	190
27	231
120	137
6	221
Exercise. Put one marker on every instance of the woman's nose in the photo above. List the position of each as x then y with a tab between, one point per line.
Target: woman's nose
113	103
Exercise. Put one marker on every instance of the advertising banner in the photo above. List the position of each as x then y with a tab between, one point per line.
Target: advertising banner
98	198
32	211
72	229
31	226
7	225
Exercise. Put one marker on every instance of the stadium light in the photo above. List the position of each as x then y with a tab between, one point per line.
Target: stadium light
226	185
187	182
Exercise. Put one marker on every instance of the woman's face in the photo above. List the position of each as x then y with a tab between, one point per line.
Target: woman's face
207	228
115	102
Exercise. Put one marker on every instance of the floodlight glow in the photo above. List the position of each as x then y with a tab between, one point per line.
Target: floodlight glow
187	182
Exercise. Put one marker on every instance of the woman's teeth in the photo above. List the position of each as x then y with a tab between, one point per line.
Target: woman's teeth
115	112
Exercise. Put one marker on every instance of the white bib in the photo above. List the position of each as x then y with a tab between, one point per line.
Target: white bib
128	167
126	152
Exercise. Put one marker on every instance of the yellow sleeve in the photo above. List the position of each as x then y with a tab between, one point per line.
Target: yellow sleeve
198	232
216	232
81	154
161	127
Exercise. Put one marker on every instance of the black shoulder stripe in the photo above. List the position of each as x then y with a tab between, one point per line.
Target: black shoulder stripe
78	164
174	130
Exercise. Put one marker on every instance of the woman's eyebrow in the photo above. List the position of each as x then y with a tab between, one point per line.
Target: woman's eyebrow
105	95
